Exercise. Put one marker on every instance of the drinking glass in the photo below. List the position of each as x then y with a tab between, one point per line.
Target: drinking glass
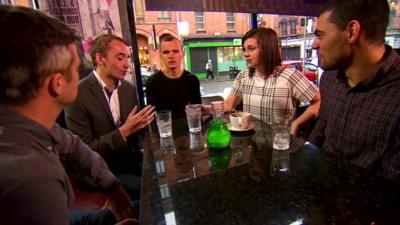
193	115
281	144
164	123
217	108
281	126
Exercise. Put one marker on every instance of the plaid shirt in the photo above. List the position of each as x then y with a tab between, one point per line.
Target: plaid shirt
273	95
361	124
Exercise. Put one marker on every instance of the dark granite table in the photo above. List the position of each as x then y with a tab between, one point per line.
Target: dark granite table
186	183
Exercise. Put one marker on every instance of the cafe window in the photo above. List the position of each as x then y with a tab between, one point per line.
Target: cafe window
230	21
199	17
229	54
283	27
139	11
164	16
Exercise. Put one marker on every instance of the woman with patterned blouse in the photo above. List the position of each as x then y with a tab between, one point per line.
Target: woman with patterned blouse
267	88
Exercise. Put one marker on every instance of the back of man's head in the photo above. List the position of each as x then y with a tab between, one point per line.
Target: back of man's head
100	45
33	45
373	15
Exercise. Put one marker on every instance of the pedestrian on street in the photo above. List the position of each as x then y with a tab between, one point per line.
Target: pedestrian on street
209	69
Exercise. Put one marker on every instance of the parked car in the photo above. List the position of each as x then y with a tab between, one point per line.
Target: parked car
310	70
315	61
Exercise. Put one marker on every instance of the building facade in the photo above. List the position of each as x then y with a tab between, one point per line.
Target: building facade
205	35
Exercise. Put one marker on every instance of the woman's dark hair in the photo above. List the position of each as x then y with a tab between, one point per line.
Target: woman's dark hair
268	43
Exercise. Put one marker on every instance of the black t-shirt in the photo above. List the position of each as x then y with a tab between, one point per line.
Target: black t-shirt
173	94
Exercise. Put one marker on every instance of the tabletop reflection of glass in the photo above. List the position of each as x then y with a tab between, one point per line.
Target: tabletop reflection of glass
189	156
186	156
186	182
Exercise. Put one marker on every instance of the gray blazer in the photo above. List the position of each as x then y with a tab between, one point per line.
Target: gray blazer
90	118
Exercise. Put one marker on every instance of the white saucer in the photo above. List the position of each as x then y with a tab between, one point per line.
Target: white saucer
250	127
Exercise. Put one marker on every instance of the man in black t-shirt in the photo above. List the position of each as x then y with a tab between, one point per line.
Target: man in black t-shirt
172	87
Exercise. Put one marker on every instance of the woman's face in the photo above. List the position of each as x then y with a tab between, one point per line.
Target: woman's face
251	53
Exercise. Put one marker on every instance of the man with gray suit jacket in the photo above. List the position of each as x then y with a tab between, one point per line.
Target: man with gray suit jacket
105	114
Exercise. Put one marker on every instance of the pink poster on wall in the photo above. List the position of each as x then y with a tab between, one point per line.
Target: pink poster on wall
109	2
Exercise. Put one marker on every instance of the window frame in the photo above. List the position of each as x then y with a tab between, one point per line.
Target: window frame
139	11
230	21
164	16
283	28
201	22
293	27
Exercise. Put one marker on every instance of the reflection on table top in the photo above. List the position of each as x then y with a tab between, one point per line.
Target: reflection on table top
184	182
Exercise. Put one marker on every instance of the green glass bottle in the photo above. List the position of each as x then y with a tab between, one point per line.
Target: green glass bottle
218	136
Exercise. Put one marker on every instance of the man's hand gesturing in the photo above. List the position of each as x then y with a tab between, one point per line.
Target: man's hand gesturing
137	120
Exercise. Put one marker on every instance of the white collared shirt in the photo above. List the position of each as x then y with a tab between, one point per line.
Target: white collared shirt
113	101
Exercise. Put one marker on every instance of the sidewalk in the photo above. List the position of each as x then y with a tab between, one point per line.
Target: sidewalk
216	87
218	78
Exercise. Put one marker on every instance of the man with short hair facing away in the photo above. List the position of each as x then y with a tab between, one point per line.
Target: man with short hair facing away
360	110
105	114
38	78
172	88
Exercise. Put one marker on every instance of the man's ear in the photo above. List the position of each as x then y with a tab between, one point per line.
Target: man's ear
353	31
99	59
55	83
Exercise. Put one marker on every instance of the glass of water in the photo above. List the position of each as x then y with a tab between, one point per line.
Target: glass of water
281	142
193	115
281	123
217	108
164	123
281	139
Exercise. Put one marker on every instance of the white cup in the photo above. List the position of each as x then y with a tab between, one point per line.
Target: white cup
240	120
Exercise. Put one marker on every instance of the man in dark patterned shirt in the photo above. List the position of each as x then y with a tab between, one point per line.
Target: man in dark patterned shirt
360	91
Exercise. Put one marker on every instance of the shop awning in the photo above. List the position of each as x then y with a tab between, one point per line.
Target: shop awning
282	7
